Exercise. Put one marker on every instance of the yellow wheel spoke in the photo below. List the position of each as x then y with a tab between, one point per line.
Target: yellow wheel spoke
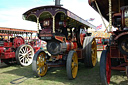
93	42
93	48
38	69
74	65
94	54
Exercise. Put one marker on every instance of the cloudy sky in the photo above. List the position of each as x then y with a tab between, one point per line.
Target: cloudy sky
11	12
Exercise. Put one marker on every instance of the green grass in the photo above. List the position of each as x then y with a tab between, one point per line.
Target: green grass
57	76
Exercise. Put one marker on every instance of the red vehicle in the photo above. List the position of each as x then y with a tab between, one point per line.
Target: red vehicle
15	49
67	41
115	57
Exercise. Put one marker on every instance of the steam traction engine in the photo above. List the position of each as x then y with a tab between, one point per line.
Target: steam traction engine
115	56
67	40
14	49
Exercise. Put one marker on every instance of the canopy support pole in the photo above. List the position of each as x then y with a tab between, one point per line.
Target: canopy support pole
53	24
8	35
31	36
110	15
37	25
101	15
26	37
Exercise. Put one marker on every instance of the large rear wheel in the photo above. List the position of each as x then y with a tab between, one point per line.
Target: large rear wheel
105	67
39	65
72	65
90	51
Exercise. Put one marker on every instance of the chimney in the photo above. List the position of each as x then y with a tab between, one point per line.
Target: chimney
57	3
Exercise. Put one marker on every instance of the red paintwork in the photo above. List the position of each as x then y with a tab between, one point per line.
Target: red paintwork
1	49
45	35
79	53
7	55
7	44
108	67
71	45
82	36
60	38
18	41
121	67
36	49
6	51
120	35
115	53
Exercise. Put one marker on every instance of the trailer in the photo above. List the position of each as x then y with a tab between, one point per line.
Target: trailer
14	48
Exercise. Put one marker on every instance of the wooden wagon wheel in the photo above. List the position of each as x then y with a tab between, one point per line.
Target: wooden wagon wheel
39	65
105	67
72	65
24	55
90	51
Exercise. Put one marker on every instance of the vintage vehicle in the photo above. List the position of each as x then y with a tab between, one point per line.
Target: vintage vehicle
115	57
14	48
67	40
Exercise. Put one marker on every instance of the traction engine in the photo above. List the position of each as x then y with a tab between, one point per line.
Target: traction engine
116	54
15	50
67	40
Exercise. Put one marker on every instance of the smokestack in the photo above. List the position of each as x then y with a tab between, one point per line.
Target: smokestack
57	3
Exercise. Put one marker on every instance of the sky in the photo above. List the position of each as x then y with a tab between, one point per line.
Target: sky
11	12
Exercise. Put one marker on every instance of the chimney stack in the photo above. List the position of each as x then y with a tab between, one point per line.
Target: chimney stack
57	3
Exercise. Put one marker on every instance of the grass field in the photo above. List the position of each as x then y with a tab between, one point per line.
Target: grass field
57	76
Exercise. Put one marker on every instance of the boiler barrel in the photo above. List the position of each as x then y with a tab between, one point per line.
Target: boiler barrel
71	45
56	47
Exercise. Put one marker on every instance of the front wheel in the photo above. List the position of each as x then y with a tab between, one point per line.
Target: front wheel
39	65
72	65
105	67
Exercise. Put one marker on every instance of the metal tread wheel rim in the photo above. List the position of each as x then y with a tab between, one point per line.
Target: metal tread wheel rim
72	65
39	65
105	67
90	51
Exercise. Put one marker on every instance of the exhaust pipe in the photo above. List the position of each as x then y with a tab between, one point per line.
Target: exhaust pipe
57	3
